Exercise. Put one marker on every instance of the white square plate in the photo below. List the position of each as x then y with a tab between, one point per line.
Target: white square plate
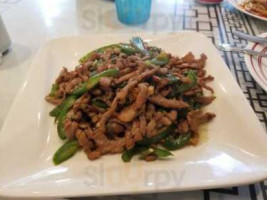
233	150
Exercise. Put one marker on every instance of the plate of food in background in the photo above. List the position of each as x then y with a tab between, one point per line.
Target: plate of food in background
257	65
254	8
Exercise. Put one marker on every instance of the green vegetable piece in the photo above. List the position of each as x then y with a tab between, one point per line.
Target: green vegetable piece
144	144
62	116
161	110
162	153
121	85
100	50
63	107
94	80
193	77
172	79
57	110
145	153
178	88
160	60
94	73
99	103
127	155
138	44
173	144
193	104
60	126
65	152
154	49
54	88
174	91
197	106
95	65
165	133
127	49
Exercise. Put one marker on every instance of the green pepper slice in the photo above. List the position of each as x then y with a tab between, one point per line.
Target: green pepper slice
66	151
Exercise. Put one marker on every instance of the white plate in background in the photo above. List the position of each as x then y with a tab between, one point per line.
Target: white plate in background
236	4
257	66
233	152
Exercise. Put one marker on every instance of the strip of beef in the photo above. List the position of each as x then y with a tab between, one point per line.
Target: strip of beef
201	73
165	121
189	61
202	83
193	91
83	140
130	112
202	60
113	146
102	123
125	71
183	127
70	128
150	157
129	141
72	84
126	77
122	94
135	131
82	102
63	76
166	91
205	100
114	128
143	124
161	82
151	128
172	115
208	78
53	100
150	111
188	58
158	99
104	145
197	117
92	155
105	82
173	61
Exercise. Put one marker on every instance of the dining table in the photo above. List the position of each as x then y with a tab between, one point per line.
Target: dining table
32	23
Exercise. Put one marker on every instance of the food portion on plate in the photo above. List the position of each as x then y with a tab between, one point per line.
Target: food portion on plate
257	7
130	98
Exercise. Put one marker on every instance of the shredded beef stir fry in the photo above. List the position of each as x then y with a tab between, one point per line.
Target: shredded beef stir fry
258	7
130	99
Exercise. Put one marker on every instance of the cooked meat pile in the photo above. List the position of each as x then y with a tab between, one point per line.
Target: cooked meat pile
258	7
151	92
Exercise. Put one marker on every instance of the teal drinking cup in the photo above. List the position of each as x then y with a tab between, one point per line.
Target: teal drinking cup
133	11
